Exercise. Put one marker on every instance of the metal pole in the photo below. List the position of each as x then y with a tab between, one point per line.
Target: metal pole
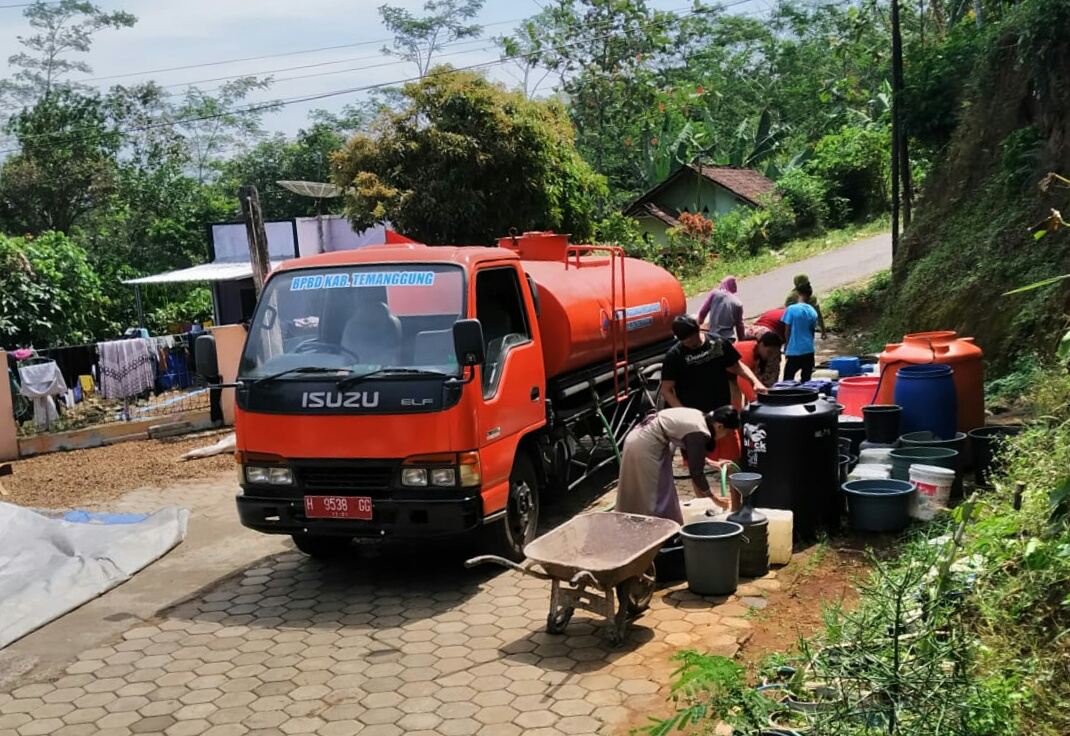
896	83
140	310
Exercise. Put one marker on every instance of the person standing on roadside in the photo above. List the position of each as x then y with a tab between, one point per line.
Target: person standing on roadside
724	311
771	321
695	373
802	281
800	321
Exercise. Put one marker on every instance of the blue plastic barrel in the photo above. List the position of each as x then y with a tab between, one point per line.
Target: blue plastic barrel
927	395
846	366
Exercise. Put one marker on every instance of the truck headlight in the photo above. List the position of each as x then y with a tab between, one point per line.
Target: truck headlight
269	475
443	477
256	474
447	470
414	477
280	477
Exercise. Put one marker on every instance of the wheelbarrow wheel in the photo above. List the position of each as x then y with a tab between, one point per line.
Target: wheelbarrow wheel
558	620
641	591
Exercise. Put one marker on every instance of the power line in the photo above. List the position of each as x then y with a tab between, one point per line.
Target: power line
366	88
127	75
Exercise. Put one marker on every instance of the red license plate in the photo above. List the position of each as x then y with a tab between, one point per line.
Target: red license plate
338	507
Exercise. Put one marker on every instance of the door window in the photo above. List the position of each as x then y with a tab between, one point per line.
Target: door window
500	309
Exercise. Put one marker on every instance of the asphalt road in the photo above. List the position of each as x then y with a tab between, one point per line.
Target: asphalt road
826	271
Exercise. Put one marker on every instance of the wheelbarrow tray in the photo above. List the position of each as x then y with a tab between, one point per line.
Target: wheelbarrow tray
610	545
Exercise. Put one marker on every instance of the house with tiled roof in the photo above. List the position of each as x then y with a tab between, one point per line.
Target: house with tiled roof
697	188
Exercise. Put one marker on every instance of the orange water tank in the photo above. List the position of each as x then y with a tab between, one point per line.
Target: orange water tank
945	348
576	289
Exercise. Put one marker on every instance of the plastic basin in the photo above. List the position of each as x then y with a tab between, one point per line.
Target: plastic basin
878	505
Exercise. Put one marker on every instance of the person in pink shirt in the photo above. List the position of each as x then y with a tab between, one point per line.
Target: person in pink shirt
724	311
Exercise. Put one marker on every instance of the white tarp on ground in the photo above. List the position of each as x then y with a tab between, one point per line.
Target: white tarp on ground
49	567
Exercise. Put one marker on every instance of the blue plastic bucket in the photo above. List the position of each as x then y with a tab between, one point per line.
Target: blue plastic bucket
930	403
846	366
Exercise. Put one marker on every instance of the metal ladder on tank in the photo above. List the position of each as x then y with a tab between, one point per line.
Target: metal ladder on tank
618	321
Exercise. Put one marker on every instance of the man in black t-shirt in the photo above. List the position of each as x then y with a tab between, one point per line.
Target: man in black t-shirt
695	373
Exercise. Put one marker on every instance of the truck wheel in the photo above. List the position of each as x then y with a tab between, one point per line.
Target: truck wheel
510	534
321	547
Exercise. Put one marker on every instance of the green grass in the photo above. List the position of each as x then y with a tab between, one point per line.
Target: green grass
767	260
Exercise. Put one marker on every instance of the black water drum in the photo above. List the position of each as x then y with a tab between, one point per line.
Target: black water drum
791	439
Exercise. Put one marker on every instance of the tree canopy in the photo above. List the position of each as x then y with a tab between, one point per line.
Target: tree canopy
464	161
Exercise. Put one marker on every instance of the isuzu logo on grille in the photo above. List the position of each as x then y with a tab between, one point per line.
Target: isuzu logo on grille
339	400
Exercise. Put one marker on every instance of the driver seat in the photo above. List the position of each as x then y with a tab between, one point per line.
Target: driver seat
373	334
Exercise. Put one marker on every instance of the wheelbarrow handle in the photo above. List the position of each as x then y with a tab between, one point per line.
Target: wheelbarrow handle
495	559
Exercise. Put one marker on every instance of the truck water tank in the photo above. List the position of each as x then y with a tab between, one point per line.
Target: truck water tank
576	304
944	348
789	436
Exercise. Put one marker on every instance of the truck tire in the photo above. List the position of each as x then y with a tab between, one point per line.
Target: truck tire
509	535
322	547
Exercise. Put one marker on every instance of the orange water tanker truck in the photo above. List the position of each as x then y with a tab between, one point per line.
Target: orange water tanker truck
409	392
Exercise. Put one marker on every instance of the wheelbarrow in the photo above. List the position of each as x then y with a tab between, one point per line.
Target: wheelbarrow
602	562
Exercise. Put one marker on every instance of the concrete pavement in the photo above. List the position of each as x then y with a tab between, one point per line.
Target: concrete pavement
826	271
278	644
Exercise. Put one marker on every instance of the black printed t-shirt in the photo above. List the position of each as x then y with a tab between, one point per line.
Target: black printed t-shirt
701	374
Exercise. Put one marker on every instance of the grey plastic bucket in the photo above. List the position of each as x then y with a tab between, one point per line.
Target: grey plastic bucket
711	555
942	457
879	505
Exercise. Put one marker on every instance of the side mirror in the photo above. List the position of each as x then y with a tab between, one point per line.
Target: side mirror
205	356
468	342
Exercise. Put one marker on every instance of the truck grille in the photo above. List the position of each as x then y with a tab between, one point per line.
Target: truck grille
367	480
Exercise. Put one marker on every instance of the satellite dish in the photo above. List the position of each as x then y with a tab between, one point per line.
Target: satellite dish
314	189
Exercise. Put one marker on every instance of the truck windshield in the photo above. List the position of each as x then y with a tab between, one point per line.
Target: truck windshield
356	319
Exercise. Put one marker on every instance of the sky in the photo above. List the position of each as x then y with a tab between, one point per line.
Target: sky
175	33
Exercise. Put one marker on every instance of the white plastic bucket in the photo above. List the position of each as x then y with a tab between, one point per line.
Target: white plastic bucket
870	472
934	490
781	522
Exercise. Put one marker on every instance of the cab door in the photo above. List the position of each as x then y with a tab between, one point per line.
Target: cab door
513	379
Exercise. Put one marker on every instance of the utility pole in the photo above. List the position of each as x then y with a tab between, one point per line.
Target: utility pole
897	92
897	53
254	231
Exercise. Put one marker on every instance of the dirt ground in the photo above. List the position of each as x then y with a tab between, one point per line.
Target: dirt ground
80	478
826	575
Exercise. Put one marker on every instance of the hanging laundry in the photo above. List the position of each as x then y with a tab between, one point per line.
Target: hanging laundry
40	382
127	367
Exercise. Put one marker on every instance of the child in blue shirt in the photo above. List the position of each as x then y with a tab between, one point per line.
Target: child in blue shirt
800	320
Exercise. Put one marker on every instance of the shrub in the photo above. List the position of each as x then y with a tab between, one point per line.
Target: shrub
853	164
808	196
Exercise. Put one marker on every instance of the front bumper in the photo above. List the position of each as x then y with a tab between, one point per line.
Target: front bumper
390	518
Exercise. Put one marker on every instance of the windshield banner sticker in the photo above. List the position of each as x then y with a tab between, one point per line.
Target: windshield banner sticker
363	278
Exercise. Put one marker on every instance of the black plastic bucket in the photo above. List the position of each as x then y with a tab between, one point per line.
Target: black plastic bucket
669	564
942	457
754	550
855	431
986	442
879	505
882	422
928	439
711	554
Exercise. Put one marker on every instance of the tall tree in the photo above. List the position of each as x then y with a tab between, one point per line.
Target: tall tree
66	165
214	125
62	28
605	51
306	157
419	39
524	49
464	161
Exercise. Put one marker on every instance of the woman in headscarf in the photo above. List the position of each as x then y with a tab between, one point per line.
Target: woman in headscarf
646	483
802	280
724	310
